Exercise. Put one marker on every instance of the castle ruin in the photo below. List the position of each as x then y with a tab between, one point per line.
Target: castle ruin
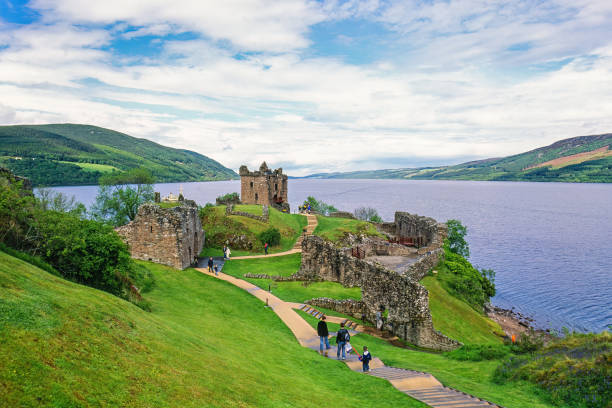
169	236
388	273
264	187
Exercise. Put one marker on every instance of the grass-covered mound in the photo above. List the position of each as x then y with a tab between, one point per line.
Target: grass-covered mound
458	320
221	228
334	229
576	370
206	343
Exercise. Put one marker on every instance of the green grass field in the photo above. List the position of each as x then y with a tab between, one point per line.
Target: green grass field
334	229
220	227
102	168
288	291
206	344
457	319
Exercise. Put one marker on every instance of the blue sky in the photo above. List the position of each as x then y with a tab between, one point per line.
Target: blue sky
315	85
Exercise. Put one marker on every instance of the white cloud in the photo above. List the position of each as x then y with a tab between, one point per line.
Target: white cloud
312	114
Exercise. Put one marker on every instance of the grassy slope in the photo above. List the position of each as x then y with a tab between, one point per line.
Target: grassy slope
288	291
333	229
206	343
467	376
98	150
457	319
289	225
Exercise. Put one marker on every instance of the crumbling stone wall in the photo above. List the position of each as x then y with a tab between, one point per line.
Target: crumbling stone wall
169	236
342	214
264	187
7	177
264	217
405	299
349	307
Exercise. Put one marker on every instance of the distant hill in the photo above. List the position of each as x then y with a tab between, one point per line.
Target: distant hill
586	159
70	154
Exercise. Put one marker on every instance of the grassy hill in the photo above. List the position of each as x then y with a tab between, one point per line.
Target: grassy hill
578	159
206	344
71	154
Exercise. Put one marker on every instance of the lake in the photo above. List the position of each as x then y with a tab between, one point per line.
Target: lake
549	243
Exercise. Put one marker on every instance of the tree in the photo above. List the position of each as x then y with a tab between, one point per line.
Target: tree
120	195
49	200
456	238
367	214
319	206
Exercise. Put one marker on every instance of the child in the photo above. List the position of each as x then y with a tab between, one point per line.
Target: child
216	270
365	359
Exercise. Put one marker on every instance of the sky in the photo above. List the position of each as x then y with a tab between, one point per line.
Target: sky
314	86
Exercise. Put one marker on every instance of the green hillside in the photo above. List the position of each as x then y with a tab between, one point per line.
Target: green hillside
586	159
69	154
206	344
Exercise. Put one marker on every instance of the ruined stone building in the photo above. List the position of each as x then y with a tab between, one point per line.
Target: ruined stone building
388	274
265	187
169	236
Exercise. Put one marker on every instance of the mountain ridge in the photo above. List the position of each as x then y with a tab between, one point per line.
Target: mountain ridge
77	154
587	161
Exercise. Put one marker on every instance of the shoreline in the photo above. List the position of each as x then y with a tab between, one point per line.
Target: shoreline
512	322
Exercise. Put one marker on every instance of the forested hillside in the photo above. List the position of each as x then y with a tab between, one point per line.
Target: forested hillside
586	159
69	154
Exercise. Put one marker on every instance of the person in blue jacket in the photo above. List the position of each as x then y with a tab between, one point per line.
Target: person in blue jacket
365	359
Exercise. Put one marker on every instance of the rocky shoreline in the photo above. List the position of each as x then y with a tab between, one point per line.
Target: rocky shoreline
511	321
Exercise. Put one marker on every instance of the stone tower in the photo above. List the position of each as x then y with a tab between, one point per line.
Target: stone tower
265	187
169	236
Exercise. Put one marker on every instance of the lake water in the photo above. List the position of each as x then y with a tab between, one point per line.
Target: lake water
549	243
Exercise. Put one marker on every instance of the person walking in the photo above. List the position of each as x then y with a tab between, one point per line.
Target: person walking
342	337
216	270
365	359
228	253
210	264
323	334
266	248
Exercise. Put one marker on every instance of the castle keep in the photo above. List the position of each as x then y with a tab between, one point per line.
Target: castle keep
264	187
169	236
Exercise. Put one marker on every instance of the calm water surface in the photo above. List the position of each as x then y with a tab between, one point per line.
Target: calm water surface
549	243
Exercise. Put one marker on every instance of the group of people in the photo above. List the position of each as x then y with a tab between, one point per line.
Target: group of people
226	252
342	340
212	268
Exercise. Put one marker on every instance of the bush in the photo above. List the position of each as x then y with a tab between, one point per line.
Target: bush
479	352
456	238
319	206
272	236
230	198
367	214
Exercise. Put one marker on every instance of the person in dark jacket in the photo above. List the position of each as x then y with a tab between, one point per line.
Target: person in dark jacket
365	359
323	334
210	264
342	337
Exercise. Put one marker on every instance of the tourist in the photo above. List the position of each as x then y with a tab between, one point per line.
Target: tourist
323	334
210	264
216	270
266	248
228	253
224	252
308	208
365	359
342	337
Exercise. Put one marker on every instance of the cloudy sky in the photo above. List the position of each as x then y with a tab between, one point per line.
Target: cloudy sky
314	85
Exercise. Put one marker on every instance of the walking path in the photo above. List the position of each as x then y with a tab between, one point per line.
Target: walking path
419	385
297	247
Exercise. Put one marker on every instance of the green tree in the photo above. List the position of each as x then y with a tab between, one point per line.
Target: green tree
456	238
319	206
16	213
120	195
367	214
48	199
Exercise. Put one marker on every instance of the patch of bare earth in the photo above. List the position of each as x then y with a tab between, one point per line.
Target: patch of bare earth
575	158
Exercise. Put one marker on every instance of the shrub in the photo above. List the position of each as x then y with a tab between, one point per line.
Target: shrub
272	236
479	352
367	214
319	206
230	198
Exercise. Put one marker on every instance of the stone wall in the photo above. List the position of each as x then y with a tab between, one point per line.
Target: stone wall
7	176
264	187
349	307
169	236
342	214
264	217
405	299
